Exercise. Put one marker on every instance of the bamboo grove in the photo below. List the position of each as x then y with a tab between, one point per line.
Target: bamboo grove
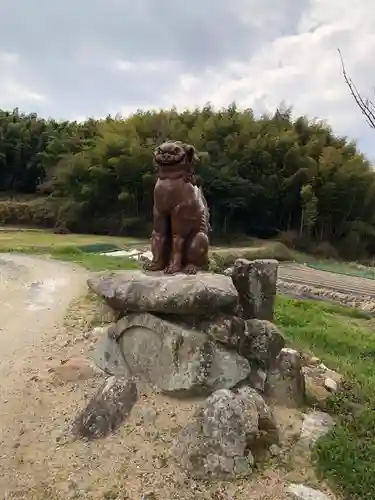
261	176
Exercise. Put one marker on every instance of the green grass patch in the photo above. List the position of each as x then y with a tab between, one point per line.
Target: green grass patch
81	249
91	261
94	261
11	239
345	340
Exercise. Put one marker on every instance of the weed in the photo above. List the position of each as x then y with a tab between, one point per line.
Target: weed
344	340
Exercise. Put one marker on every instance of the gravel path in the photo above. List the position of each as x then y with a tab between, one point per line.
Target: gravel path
34	296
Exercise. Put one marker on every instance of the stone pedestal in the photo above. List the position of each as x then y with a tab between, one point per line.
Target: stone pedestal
189	335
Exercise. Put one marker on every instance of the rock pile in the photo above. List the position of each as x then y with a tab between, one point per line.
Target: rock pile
191	335
205	335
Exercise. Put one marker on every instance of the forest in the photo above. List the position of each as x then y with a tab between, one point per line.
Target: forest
268	176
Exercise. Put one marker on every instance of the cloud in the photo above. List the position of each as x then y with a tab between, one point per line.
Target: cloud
95	57
13	93
302	68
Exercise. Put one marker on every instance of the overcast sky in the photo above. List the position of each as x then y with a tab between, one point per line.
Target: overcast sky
79	58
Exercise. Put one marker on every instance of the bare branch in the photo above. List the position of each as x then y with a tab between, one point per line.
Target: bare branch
366	106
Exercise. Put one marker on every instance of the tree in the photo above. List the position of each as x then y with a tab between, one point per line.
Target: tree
261	176
309	209
366	105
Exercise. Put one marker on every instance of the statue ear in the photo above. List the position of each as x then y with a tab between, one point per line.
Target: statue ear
191	153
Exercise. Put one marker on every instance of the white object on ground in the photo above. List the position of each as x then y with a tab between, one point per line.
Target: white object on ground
330	384
301	492
316	424
122	253
132	254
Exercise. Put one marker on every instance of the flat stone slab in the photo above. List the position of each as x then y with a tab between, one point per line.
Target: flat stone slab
135	291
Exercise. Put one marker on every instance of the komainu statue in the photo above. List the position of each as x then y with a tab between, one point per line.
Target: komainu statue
179	241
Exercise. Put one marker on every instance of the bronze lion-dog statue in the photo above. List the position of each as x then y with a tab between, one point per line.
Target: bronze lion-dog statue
179	240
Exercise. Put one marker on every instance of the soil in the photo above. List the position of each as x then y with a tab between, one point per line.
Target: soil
46	318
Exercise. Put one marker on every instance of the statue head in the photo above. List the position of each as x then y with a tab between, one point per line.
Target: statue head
174	152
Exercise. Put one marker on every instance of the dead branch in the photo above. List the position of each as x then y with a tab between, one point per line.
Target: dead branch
366	106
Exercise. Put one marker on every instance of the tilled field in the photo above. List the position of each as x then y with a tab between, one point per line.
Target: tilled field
303	282
303	275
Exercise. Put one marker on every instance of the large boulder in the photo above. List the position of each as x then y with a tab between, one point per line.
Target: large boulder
256	283
225	436
222	328
262	342
177	360
135	291
257	340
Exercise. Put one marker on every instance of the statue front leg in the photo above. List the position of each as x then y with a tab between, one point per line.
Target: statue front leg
175	263
159	243
178	226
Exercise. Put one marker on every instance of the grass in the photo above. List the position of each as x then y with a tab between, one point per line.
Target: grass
19	239
94	261
345	340
71	247
67	247
91	261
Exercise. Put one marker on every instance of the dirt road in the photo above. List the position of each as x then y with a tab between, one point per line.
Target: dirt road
34	296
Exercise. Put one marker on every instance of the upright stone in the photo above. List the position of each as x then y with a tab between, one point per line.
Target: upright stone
107	409
285	384
255	282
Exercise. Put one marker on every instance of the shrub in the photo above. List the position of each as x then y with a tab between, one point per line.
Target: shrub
39	212
221	259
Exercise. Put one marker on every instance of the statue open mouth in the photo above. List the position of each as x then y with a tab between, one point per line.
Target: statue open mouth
169	153
169	158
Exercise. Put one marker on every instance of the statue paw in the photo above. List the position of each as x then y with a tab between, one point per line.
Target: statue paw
172	269
153	266
190	269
